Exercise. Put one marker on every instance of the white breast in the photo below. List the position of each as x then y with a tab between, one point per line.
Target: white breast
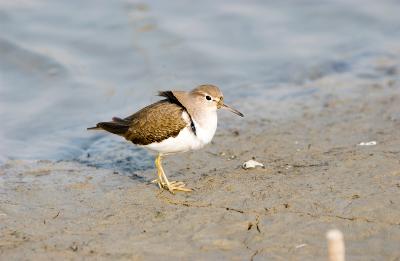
206	127
186	139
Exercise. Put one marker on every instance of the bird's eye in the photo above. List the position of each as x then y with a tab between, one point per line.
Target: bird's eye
208	98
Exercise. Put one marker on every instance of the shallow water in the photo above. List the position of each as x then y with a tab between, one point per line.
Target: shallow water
66	65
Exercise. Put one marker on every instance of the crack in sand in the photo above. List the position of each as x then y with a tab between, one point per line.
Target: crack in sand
182	203
254	254
201	205
258	214
363	219
256	224
322	164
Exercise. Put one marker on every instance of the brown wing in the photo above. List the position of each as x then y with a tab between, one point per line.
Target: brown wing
155	123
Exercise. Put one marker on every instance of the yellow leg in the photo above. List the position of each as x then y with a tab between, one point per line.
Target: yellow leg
163	182
160	171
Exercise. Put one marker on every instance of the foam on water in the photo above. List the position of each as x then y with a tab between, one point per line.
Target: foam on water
67	65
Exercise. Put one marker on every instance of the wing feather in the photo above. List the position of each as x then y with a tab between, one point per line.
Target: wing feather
155	123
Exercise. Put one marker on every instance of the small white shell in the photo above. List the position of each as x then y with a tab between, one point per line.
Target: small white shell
251	164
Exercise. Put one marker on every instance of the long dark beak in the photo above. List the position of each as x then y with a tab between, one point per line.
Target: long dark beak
223	105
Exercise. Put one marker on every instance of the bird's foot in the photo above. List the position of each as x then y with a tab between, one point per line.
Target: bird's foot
159	183
177	186
172	186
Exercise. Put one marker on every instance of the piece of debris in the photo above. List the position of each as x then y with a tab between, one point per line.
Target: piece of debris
368	143
58	213
232	157
251	164
74	247
300	246
335	245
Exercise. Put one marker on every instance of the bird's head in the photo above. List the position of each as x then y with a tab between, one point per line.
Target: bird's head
211	97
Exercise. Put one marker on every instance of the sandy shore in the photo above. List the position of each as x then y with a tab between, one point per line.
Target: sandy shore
316	177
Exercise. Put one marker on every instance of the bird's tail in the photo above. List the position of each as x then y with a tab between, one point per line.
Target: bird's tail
116	127
94	128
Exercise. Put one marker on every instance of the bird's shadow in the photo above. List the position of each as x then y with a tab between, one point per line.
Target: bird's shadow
120	156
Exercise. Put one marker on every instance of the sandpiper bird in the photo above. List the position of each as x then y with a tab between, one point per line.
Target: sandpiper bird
181	122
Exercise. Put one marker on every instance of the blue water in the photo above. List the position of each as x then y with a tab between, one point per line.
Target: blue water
65	65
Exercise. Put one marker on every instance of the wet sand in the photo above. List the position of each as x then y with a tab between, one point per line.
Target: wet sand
316	177
314	80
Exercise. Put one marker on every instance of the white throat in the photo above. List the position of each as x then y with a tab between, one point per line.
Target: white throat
206	125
